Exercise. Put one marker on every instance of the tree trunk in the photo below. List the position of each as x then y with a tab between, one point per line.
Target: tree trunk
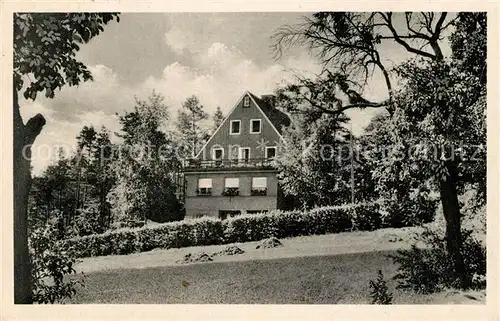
451	211
24	136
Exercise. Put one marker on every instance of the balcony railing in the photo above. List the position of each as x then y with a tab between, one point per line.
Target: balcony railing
258	163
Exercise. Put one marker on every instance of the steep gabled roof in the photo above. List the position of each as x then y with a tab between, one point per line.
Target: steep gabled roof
277	118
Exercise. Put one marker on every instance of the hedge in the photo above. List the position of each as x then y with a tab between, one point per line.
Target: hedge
243	228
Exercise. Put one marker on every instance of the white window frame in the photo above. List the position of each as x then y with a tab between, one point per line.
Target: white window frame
231	127
235	178
213	153
261	177
246	101
260	126
275	151
240	153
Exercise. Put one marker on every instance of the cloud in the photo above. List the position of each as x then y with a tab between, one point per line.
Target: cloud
176	40
220	75
104	94
91	103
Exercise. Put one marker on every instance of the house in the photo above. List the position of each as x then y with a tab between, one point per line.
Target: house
234	172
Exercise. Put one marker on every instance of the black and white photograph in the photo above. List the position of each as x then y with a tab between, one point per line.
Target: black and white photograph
256	158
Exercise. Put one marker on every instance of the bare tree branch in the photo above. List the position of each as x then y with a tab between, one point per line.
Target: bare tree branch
398	39
416	34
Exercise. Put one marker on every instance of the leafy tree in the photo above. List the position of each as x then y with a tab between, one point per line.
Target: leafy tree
350	44
468	43
217	118
52	191
85	146
45	46
146	166
188	125
400	181
94	155
312	166
51	264
77	185
102	175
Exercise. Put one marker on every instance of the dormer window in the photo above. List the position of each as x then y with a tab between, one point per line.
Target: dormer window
246	101
235	127
255	126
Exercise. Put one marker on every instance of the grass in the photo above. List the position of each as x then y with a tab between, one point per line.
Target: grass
319	269
319	279
331	279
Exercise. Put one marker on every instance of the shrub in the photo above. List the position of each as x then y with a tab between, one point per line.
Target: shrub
367	218
87	221
207	231
50	266
473	210
415	209
379	292
430	268
242	228
332	219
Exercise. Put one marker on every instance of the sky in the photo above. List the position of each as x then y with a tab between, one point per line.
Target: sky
215	56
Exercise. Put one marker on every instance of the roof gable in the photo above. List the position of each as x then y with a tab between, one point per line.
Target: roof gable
274	117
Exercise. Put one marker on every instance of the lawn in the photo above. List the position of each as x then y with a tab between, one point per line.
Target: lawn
318	279
331	279
319	269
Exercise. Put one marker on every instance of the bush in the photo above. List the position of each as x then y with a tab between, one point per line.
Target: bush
50	266
430	268
87	221
379	292
416	209
242	228
367	218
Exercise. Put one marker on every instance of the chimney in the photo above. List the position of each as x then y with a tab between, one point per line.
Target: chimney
270	99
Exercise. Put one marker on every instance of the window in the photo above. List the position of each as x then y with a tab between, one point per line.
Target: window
255	126
218	153
271	152
204	187
225	214
246	101
232	182
231	186
235	127
244	154
259	182
259	186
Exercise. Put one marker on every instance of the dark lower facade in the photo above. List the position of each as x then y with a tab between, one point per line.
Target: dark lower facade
225	193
